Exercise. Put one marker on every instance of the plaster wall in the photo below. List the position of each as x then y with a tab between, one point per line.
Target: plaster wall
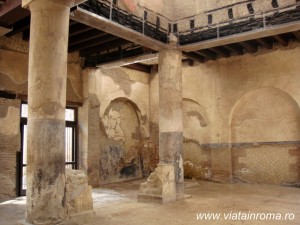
114	136
124	118
163	7
241	117
257	102
14	80
14	69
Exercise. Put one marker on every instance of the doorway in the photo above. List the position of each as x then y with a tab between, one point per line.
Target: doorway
71	154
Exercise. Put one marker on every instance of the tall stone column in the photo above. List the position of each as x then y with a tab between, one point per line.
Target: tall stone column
46	119
166	183
170	114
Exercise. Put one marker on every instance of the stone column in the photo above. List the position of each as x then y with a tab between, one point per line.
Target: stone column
166	183
170	114
46	119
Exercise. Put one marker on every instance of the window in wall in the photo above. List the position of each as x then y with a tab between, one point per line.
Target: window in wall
192	24
23	153
250	8
70	144
70	138
145	15
230	14
275	4
209	19
175	28
157	23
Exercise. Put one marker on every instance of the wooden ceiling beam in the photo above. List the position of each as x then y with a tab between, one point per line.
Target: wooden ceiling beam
94	42
120	61
220	51
234	48
103	47
251	48
194	56
78	28
207	54
140	67
264	43
86	36
8	6
20	26
281	40
10	16
297	35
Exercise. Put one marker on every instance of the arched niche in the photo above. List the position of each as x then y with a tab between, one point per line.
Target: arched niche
265	115
140	109
265	135
121	158
196	131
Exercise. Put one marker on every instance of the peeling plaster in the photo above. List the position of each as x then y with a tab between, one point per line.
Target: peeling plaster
9	125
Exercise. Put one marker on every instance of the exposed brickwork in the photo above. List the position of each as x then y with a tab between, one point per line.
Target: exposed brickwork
268	164
14	43
9	145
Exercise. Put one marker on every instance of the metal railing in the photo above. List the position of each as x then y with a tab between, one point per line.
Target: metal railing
157	26
149	23
256	21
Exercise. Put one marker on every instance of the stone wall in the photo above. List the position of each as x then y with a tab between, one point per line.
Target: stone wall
241	117
14	69
117	104
9	146
267	164
13	79
121	157
124	116
155	7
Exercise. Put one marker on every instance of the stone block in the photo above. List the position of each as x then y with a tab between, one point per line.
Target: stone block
79	201
160	186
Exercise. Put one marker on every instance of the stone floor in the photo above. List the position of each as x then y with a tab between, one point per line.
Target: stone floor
116	204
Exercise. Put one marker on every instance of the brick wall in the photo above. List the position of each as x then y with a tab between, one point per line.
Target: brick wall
9	145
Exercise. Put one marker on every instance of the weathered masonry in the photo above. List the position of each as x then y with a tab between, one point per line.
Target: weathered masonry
105	91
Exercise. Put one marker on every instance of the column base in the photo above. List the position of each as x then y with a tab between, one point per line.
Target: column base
160	187
79	201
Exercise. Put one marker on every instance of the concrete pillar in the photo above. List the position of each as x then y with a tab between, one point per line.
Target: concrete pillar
46	118
166	183
170	114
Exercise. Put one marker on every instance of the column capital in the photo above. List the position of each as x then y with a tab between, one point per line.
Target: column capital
26	3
